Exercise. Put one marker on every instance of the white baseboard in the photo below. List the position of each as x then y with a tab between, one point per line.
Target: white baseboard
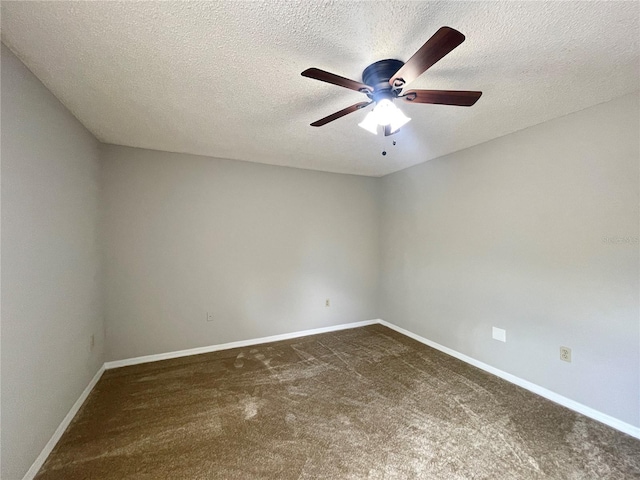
226	346
35	467
543	392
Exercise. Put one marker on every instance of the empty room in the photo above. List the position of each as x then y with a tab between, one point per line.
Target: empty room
320	240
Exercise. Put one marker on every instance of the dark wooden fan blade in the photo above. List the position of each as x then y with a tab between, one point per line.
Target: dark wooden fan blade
341	113
336	80
461	98
442	42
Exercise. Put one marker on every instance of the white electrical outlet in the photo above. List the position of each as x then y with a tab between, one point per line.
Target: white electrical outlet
92	342
209	316
327	302
499	334
565	354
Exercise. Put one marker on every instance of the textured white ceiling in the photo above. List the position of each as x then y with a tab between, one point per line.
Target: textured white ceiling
223	78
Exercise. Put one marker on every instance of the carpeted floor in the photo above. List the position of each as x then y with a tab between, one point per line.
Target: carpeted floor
366	403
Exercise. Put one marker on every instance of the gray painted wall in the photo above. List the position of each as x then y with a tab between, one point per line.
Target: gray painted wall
537	233
259	246
51	302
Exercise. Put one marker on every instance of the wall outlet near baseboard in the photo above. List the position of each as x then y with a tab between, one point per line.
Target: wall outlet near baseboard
499	334
92	342
327	302
209	316
565	354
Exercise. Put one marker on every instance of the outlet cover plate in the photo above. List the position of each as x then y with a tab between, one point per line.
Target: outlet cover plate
565	354
499	334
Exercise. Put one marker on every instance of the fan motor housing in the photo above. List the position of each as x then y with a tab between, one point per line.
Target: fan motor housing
378	74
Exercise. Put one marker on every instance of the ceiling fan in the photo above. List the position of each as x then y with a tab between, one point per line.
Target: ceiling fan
384	81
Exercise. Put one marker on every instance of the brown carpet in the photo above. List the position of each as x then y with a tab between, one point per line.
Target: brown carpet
365	403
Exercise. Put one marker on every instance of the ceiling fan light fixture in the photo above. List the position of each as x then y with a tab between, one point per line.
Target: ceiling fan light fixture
385	80
399	120
370	123
384	113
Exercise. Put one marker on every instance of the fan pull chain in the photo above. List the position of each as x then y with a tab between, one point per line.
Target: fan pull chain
384	152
